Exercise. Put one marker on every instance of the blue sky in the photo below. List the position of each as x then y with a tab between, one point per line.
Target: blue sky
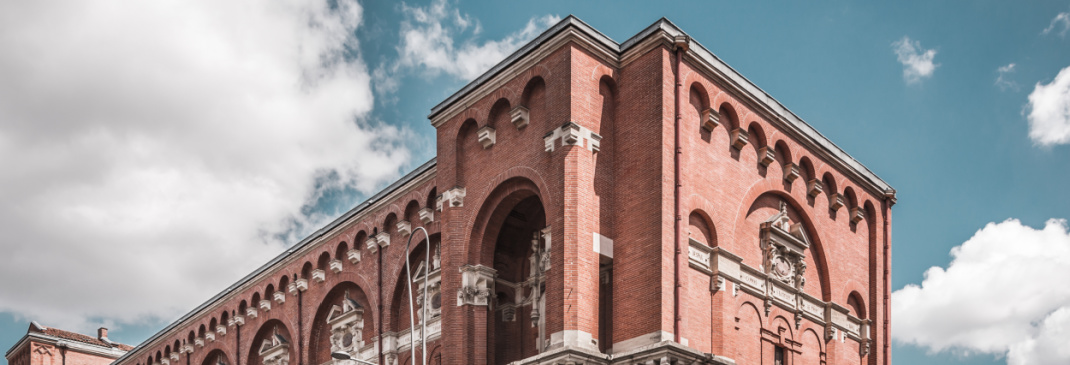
959	106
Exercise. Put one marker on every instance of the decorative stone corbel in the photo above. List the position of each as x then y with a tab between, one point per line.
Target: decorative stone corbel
739	138
477	284
265	304
798	319
710	119
187	348
813	187
319	276
199	341
371	244
221	330
174	356
210	336
572	134
335	266
835	201
452	198
251	312
353	256
165	361
301	284
857	215
791	172
404	228
766	155
239	320
486	136
717	284
768	305
427	215
519	116
383	238
279	296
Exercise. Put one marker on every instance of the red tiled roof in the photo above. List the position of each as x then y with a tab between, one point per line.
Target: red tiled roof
68	335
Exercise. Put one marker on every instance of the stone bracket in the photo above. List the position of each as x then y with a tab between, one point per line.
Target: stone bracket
572	134
452	198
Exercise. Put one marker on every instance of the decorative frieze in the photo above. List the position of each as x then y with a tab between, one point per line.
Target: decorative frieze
353	256
519	116
477	283
319	276
251	312
710	119
766	155
427	215
265	304
279	296
383	239
857	215
698	256
451	198
404	228
835	201
572	134
739	138
486	136
335	266
814	188
791	172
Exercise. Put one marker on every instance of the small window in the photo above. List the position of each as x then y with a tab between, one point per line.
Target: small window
778	358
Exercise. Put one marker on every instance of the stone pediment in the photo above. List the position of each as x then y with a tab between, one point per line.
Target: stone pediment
348	312
274	346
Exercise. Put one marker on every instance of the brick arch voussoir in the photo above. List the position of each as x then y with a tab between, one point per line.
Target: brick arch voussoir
490	197
768	186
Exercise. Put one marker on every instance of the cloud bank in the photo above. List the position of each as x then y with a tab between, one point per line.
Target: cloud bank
1049	111
428	36
917	62
154	152
1003	293
1060	25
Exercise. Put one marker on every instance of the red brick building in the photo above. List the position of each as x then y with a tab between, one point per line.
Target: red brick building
52	346
592	202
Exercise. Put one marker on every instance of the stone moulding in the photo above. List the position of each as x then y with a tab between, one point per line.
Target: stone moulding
791	172
251	312
335	266
724	265
371	245
199	341
740	138
835	201
813	188
265	304
279	296
383	238
857	215
319	276
572	134
477	283
427	215
710	119
519	116
766	155
353	255
451	198
404	228
486	136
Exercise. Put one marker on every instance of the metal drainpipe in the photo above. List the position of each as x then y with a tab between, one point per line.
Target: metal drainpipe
62	351
680	43
380	305
300	329
887	275
237	342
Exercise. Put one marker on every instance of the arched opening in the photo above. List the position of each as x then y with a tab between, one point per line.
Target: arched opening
856	304
216	357
324	261
533	99
464	146
699	230
431	198
272	345
411	213
343	322
783	153
340	252
306	270
431	310
499	114
788	248
514	231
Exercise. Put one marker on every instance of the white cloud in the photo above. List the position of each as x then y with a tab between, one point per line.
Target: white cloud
154	152
1003	80
430	37
1049	111
917	62
1004	292
1060	24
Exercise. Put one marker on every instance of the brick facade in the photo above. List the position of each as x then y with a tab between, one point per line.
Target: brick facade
564	227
